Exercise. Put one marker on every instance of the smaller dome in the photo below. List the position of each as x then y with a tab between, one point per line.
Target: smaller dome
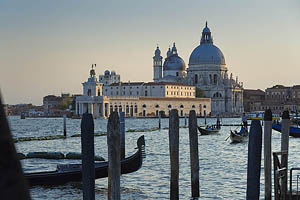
113	73
106	73
174	62
157	52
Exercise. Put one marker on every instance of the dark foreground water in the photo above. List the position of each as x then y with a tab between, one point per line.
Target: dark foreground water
223	166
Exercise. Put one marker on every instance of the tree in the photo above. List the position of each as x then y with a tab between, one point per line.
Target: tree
65	103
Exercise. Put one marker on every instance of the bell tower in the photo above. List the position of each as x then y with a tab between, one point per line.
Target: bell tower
157	65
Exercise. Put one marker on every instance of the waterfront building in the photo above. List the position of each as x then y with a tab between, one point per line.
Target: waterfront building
206	70
279	98
253	100
139	99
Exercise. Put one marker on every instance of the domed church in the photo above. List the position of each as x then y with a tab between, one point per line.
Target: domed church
206	70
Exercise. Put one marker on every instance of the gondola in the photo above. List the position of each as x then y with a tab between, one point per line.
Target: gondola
208	130
72	172
294	131
239	137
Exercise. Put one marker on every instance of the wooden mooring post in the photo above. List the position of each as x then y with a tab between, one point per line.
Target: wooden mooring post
114	164
122	131
194	155
268	154
159	121
13	184
174	153
254	160
88	155
65	125
285	131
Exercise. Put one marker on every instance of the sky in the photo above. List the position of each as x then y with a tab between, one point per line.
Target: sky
48	46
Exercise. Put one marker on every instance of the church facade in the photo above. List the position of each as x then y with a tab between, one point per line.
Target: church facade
207	71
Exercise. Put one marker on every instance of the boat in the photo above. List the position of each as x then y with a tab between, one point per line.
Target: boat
294	131
238	137
208	130
72	172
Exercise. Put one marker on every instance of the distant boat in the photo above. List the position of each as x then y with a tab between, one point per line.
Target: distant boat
208	130
294	131
238	137
72	172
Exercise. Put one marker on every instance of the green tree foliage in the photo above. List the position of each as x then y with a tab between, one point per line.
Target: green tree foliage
65	103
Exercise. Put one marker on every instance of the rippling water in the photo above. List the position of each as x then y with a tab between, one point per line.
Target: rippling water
223	166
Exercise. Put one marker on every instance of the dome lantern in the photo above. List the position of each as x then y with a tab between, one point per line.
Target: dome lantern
174	49
157	51
206	36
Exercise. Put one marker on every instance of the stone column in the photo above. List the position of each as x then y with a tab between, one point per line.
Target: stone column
76	108
89	108
80	108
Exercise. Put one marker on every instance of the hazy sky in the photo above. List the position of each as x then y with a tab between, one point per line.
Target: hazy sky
48	46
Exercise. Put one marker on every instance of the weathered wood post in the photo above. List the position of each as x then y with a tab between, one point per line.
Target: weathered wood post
114	164
254	160
122	130
194	155
204	117
159	121
285	132
268	154
174	153
65	125
13	184
185	120
88	155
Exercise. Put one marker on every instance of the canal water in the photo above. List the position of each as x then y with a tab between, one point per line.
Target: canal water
223	166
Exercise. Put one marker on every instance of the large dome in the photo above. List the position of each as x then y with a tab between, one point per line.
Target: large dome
174	62
207	54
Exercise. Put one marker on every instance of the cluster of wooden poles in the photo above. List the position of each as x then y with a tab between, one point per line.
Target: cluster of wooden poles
116	153
255	152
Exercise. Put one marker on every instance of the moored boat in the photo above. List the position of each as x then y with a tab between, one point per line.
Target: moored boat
294	131
72	172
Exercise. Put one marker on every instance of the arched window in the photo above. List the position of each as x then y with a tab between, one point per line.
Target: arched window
196	78
215	79
89	92
156	106
217	95
131	110
210	79
116	108
169	106
193	106
181	106
144	106
99	94
120	108
111	108
135	109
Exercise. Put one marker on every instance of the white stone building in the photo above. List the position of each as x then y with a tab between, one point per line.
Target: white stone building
138	99
207	71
